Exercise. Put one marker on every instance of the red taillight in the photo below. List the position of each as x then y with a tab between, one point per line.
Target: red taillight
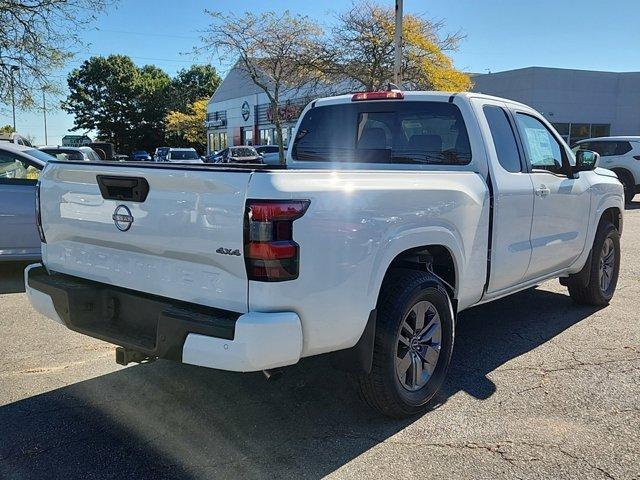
39	215
637	157
265	211
270	253
383	95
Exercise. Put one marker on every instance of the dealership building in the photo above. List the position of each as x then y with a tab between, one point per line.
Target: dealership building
239	113
579	103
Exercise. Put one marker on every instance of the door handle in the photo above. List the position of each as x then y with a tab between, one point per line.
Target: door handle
542	191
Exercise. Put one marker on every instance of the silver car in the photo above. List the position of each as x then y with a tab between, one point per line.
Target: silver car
74	154
20	169
183	155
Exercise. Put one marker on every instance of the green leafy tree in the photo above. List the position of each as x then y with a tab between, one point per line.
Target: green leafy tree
36	37
192	84
6	130
125	104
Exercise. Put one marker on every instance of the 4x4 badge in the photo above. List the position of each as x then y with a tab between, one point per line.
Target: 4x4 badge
228	251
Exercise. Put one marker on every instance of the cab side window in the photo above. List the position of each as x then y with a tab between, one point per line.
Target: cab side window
503	138
14	169
543	151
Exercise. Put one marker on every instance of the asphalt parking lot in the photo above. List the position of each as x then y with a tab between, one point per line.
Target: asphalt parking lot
539	388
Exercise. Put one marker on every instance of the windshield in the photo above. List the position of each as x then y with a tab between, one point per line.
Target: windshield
384	132
42	156
244	152
63	154
184	155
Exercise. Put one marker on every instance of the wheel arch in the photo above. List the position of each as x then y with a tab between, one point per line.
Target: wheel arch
613	215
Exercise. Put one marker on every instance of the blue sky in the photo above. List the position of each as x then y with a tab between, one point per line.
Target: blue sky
501	35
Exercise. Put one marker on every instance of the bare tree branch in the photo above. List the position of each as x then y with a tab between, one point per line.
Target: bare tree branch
276	50
38	36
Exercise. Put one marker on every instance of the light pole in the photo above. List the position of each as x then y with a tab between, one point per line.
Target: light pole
397	44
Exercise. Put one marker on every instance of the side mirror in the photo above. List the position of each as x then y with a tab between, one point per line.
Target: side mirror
586	160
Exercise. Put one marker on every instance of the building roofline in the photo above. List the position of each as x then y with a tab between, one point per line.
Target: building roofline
533	67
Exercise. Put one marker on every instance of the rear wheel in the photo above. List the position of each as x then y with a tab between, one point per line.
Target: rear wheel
604	267
413	344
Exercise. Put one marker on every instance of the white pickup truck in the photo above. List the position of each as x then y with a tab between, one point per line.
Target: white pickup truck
396	211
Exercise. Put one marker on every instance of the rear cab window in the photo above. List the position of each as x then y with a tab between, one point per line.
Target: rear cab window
388	132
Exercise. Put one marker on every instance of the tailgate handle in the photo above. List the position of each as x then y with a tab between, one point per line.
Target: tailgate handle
132	189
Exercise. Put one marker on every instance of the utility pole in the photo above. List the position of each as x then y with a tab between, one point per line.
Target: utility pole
12	69
44	113
397	43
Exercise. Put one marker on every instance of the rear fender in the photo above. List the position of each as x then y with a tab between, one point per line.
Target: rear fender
410	239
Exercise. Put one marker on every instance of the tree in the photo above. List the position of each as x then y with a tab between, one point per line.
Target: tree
7	129
274	49
37	36
124	103
192	84
189	127
361	48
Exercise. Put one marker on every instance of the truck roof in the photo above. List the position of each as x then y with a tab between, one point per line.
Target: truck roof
434	96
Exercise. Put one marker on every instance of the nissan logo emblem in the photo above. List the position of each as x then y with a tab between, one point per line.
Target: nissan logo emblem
245	110
122	218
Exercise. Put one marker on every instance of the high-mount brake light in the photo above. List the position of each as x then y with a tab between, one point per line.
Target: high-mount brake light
270	253
382	95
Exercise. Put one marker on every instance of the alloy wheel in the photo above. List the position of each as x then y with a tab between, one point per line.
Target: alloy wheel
607	264
418	346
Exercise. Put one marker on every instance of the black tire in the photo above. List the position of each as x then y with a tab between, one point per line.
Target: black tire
628	183
593	293
382	389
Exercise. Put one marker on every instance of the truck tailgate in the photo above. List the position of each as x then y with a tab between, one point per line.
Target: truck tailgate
164	244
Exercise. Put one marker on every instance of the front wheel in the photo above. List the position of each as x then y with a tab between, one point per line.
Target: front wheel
604	268
413	344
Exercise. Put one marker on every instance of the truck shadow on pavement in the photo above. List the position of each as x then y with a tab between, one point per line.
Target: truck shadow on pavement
165	420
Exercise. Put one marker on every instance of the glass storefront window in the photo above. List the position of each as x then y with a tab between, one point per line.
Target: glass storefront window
217	141
580	131
247	135
266	136
600	130
573	132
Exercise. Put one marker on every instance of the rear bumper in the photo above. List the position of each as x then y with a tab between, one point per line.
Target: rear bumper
165	328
